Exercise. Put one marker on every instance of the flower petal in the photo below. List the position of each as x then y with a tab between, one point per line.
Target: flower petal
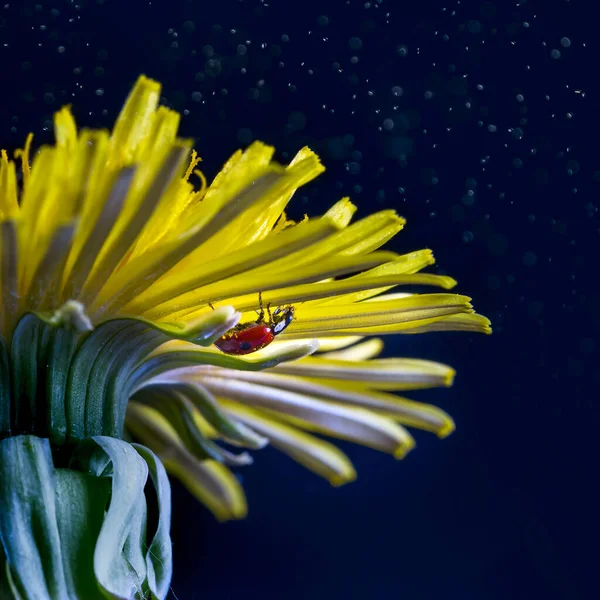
319	456
354	424
387	374
9	266
363	351
212	483
402	410
9	204
257	280
201	400
175	355
150	184
176	407
229	265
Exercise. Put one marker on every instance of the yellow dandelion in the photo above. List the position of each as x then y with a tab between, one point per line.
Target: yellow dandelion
120	269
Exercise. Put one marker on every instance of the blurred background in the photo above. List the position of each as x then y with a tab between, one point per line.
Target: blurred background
479	123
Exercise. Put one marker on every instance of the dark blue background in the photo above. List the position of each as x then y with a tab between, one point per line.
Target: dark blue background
503	188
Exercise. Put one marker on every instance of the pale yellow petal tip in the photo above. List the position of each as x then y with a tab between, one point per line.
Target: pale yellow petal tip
306	153
231	513
286	351
449	378
404	448
447	428
146	85
448	282
341	212
340	479
486	326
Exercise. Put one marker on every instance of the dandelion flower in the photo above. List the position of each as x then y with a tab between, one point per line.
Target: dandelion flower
120	268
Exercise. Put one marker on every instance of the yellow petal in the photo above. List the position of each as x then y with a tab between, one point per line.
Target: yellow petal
328	344
9	266
363	351
210	482
319	456
341	212
355	424
402	410
222	267
151	185
364	316
254	281
9	206
405	264
134	122
383	373
100	212
463	322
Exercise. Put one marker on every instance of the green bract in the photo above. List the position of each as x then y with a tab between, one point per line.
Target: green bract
80	532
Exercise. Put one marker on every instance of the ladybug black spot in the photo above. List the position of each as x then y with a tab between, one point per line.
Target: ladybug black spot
245	346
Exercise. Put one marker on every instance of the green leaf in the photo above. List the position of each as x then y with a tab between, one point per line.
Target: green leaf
28	524
81	500
159	558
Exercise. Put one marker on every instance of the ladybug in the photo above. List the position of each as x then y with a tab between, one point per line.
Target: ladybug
246	338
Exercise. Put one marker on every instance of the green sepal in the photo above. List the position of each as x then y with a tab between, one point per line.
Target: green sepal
133	549
71	535
177	359
79	377
24	366
64	380
123	567
106	391
40	356
203	331
28	523
96	393
81	500
62	344
159	557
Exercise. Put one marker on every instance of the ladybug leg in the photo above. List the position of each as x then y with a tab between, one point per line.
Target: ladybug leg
269	312
261	313
210	304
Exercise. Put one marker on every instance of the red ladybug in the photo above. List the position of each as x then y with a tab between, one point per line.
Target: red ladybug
246	338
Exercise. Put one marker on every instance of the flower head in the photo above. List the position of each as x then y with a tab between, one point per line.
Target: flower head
120	267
